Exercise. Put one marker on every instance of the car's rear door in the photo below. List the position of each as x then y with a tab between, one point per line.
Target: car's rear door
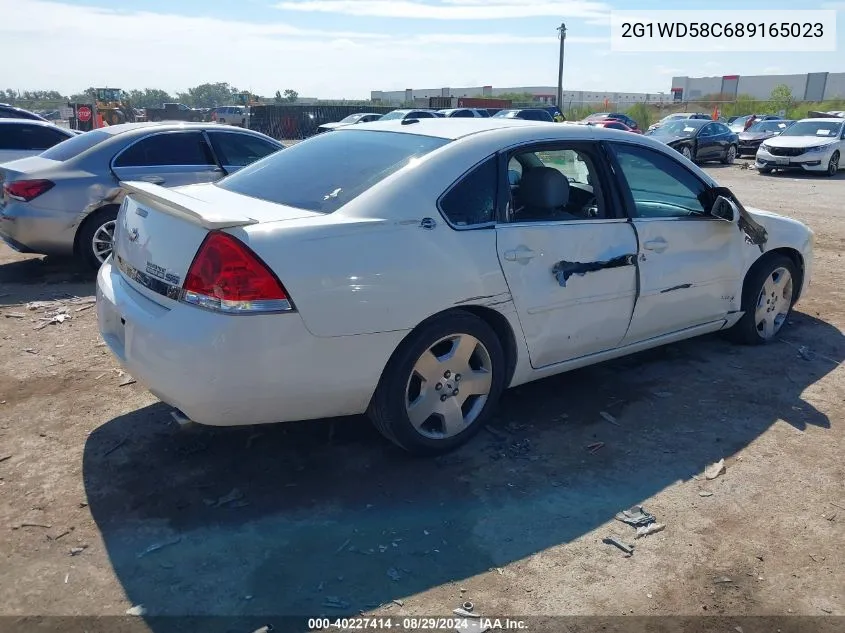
235	149
690	263
169	159
572	273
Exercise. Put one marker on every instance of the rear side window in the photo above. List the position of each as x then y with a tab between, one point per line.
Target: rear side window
328	170
29	137
464	114
168	149
472	200
239	150
74	146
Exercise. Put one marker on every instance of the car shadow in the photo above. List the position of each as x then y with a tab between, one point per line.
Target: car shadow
326	517
44	279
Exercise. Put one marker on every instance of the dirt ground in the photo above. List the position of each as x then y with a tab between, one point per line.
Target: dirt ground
106	503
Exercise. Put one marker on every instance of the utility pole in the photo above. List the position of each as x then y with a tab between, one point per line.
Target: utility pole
562	36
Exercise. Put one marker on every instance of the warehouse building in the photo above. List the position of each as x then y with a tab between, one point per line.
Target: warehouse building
541	95
806	87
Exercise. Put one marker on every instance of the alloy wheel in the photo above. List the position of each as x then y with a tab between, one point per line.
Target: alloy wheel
833	165
103	241
687	153
448	386
773	303
730	157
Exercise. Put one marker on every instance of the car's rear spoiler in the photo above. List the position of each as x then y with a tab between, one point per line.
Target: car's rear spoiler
186	207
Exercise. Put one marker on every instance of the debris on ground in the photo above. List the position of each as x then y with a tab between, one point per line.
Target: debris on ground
464	613
705	493
59	317
342	547
28	524
608	418
595	447
75	551
14	315
158	546
652	528
612	540
636	516
5	457
138	609
805	353
129	380
714	470
115	447
394	574
399	603
722	580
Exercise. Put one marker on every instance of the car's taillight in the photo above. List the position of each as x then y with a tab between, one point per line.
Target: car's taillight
26	190
226	276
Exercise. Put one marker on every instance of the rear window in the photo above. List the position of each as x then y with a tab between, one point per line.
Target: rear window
74	146
327	171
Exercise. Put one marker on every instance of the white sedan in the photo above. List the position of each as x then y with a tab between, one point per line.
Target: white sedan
415	269
814	145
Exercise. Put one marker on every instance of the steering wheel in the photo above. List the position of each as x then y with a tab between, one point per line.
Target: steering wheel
591	208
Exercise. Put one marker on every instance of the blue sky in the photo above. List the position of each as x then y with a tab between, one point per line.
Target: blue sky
346	48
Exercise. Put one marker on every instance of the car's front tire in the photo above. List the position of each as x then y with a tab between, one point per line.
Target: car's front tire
768	294
96	237
833	165
441	385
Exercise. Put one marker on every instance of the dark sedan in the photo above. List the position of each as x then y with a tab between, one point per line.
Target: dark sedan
699	140
749	141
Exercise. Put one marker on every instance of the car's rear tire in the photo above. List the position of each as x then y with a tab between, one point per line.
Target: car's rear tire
768	294
418	403
833	165
730	155
93	243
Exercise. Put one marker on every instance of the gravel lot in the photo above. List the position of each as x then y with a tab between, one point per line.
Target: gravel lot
280	520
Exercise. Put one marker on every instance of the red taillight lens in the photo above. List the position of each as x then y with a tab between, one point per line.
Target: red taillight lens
227	276
26	190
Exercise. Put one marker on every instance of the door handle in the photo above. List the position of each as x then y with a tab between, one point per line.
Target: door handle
521	255
658	245
156	180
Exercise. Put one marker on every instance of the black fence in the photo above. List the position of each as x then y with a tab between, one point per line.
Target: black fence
293	122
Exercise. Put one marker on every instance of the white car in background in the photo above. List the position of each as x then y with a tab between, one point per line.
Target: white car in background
413	270
813	145
21	138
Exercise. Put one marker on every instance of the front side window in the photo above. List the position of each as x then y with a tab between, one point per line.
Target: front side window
168	149
556	184
473	199
328	170
660	186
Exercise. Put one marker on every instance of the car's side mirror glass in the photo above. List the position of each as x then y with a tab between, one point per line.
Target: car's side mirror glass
724	209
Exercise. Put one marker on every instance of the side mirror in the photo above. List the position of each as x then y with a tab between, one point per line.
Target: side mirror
724	209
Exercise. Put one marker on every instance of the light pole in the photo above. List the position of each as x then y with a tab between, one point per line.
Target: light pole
562	36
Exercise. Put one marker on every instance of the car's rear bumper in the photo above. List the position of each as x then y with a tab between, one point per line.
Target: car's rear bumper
229	370
28	229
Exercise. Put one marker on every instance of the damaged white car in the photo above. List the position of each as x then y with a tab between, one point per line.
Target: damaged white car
413	270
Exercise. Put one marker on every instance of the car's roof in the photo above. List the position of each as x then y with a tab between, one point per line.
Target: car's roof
13	121
451	128
165	126
822	120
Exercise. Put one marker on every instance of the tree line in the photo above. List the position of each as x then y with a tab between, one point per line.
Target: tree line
207	95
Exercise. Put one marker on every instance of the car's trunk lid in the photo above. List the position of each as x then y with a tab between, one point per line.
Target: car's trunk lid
159	231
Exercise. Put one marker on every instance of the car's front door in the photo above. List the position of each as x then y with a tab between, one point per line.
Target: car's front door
567	252
690	263
169	159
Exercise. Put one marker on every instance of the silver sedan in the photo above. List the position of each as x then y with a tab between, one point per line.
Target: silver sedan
65	200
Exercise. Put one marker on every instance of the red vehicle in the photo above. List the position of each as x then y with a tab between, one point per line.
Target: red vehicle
615	125
617	117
